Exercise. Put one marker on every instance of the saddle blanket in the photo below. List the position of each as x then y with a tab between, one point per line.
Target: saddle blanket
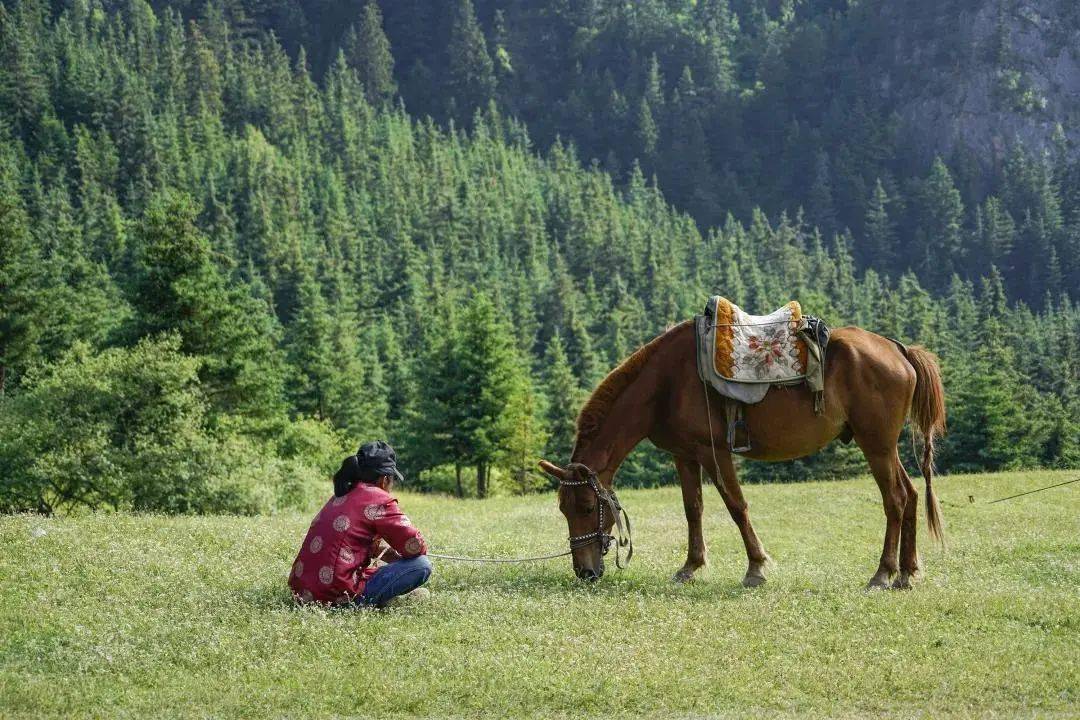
743	355
759	348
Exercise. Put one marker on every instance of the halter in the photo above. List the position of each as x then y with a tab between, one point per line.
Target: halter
611	500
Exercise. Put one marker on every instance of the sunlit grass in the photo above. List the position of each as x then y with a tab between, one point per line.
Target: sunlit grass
147	616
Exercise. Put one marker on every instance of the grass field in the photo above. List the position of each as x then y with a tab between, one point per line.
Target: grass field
118	615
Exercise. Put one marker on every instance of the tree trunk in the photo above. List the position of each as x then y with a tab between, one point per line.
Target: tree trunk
481	480
460	490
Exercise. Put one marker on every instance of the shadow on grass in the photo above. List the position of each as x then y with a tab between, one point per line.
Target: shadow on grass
542	584
541	587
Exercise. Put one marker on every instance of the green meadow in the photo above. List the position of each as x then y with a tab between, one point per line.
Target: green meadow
134	615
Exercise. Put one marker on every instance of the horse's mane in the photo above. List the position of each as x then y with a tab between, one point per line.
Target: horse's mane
599	404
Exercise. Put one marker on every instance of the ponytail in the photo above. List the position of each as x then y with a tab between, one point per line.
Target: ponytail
347	476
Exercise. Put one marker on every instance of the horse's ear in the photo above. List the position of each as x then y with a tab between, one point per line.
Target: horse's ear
553	470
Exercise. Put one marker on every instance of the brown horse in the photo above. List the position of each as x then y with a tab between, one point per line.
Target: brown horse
872	385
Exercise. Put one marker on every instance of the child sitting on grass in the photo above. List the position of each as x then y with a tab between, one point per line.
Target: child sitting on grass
338	563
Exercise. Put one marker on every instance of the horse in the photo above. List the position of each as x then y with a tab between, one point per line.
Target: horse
872	385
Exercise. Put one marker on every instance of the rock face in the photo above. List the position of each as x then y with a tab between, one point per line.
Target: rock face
984	75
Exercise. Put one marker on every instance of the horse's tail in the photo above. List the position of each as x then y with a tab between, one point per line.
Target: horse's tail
928	416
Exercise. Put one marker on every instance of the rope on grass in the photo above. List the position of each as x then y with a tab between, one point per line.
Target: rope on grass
535	558
1029	492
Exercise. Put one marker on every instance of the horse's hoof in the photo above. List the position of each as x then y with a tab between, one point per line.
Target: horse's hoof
751	581
683	576
878	583
902	582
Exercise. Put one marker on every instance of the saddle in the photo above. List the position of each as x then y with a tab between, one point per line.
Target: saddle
742	355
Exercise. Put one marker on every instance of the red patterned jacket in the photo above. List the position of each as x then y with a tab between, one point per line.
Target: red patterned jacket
336	558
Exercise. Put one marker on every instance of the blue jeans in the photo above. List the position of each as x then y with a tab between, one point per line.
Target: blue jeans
395	579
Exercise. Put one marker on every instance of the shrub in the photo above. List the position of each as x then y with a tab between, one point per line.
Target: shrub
128	428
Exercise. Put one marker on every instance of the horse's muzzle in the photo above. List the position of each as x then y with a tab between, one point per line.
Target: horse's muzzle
588	574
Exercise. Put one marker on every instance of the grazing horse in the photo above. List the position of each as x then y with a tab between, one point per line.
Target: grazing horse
872	385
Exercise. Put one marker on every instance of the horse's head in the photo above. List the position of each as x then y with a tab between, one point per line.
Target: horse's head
590	515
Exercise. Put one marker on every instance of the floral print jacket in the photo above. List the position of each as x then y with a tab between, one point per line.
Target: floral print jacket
337	556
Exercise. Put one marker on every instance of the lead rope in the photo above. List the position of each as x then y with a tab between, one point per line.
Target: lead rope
535	558
624	539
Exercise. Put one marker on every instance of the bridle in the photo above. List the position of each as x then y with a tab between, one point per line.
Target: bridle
607	498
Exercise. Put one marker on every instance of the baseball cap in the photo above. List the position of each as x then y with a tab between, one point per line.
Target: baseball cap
376	459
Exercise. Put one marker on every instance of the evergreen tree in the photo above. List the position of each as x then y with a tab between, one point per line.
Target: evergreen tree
999	233
721	30
471	72
490	377
20	324
368	52
938	246
654	84
878	243
309	351
24	94
820	199
525	437
564	397
646	131
80	300
177	288
477	415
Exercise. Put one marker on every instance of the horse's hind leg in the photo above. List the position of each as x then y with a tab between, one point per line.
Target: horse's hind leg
728	485
887	473
690	477
909	553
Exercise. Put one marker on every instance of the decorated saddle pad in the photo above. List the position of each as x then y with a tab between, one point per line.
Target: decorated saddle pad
758	348
743	355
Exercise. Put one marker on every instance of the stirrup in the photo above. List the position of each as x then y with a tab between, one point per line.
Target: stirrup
733	429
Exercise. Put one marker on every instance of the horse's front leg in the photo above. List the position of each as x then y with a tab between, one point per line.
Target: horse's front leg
726	481
690	478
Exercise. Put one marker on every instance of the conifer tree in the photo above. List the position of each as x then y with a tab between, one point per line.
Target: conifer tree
177	288
476	415
646	132
359	395
938	246
471	72
987	423
309	351
564	397
999	233
23	80
654	84
490	376
821	209
80	300
525	437
721	26
20	325
877	248
367	50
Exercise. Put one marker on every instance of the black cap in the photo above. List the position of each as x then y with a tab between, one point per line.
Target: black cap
376	459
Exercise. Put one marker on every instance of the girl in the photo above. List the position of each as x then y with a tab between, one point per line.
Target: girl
337	563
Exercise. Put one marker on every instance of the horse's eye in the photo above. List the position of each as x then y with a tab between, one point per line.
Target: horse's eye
589	510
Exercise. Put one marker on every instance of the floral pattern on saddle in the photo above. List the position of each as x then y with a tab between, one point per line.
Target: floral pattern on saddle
759	348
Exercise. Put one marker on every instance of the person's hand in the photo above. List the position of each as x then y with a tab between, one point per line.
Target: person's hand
381	552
